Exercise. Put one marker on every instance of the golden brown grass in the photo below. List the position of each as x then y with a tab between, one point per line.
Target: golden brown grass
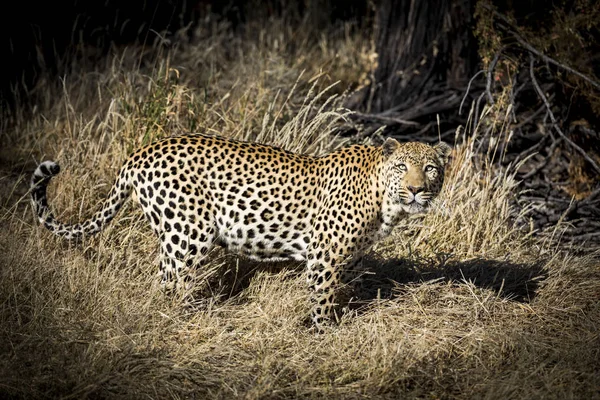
463	303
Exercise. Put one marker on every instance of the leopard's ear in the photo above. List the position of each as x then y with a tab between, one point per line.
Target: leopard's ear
389	146
443	150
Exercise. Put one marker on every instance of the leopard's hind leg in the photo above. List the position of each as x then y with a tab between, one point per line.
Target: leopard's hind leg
182	253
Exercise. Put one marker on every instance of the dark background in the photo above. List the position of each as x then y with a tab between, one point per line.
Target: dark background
45	35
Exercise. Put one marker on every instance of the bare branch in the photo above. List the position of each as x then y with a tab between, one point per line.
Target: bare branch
383	118
468	89
530	48
553	118
490	72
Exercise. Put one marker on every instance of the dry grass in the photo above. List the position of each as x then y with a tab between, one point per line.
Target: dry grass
463	304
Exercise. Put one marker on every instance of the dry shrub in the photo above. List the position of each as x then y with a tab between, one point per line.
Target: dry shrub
463	302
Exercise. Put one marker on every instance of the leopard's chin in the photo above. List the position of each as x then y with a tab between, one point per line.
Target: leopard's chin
415	207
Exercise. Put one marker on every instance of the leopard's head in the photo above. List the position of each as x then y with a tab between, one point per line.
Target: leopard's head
414	173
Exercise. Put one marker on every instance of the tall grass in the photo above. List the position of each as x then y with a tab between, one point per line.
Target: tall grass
463	303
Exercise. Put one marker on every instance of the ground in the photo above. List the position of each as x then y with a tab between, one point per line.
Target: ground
463	303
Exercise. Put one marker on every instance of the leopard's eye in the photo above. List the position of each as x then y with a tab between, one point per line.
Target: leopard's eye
430	168
402	167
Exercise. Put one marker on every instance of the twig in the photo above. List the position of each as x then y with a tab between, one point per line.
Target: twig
553	119
532	116
529	151
517	90
476	115
543	163
413	109
589	199
436	108
386	119
490	71
585	236
467	92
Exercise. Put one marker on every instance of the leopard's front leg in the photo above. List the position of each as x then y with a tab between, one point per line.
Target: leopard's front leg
337	236
326	263
323	281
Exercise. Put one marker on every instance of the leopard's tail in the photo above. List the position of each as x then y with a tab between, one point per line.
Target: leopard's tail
119	192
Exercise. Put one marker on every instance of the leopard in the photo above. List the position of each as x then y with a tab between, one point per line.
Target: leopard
264	203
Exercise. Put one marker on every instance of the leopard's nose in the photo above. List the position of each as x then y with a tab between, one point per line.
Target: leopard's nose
415	189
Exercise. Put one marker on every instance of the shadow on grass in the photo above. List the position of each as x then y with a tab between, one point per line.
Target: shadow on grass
232	275
512	281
